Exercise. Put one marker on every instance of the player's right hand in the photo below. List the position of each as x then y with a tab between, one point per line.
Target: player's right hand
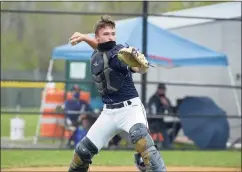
76	38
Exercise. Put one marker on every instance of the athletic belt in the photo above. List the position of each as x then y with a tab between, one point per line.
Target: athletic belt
118	105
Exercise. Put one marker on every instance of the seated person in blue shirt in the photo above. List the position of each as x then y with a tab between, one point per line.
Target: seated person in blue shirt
81	131
74	109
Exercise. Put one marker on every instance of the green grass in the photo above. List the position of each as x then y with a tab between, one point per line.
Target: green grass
27	158
30	124
23	158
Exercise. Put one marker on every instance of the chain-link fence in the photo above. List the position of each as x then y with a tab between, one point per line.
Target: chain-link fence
31	30
25	104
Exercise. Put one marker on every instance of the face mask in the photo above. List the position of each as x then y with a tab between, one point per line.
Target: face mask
106	45
76	95
161	94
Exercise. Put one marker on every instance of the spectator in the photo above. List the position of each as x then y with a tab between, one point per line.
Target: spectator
74	109
86	122
159	104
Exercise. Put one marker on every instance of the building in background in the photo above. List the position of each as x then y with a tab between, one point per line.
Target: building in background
219	35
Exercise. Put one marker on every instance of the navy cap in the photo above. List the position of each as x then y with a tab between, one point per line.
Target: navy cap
161	86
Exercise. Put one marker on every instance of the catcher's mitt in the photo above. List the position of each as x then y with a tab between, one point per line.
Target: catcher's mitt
132	57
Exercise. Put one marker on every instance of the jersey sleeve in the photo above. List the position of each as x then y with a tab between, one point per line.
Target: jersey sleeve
115	63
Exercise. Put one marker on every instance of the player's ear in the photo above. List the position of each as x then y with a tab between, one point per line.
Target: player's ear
96	37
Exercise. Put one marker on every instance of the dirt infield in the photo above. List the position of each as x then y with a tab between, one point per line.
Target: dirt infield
125	168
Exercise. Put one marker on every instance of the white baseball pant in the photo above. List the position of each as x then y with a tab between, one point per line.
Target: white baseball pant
113	121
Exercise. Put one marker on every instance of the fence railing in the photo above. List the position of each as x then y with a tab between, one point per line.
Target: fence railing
8	82
33	118
49	12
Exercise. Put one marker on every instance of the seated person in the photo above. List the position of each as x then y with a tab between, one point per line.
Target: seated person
159	104
86	122
74	109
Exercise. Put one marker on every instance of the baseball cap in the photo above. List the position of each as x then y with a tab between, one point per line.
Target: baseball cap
161	86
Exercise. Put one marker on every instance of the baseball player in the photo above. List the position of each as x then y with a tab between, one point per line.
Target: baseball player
123	109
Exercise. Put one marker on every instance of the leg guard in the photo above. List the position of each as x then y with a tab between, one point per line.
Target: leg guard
144	145
83	154
139	162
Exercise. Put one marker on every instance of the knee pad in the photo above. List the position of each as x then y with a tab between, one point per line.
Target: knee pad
140	137
145	146
83	154
85	149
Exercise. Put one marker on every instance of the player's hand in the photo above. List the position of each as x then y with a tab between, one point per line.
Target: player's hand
76	38
140	70
164	101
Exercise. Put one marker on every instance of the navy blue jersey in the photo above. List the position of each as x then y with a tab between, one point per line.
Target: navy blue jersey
128	90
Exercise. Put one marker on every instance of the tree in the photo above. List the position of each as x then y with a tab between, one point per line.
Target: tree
28	39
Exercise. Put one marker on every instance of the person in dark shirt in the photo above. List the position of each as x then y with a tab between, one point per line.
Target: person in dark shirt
76	104
74	108
123	109
159	104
